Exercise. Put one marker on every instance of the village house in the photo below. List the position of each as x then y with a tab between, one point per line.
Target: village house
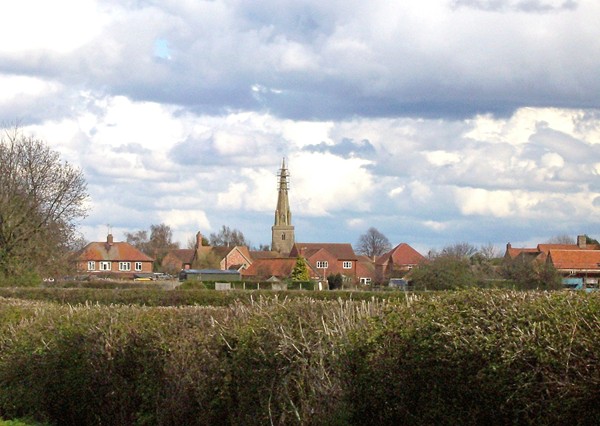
177	259
269	267
577	263
119	259
397	262
329	259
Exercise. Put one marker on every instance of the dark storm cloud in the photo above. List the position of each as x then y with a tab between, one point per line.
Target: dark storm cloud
334	60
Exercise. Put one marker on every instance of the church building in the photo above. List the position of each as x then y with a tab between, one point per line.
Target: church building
282	232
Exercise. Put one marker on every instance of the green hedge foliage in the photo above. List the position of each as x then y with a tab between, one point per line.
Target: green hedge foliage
472	357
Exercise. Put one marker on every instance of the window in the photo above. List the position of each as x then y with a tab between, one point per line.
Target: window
365	280
124	266
322	264
138	266
283	237
105	266
91	265
347	264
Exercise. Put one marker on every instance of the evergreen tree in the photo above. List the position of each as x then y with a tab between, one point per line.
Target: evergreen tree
300	271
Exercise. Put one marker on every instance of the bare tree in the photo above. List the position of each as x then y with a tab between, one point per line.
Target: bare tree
228	238
459	250
138	239
561	239
41	201
157	245
373	243
489	251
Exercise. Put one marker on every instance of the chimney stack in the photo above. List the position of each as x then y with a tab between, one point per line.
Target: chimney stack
109	239
581	241
198	239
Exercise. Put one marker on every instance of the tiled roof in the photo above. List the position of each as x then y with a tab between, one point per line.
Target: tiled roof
365	267
342	251
99	251
516	251
184	255
575	259
261	254
402	254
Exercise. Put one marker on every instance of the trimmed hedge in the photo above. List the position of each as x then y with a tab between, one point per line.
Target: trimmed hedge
178	297
471	357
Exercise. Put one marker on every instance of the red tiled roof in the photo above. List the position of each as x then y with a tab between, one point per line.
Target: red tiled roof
99	251
184	255
402	254
575	259
342	251
261	254
514	252
365	267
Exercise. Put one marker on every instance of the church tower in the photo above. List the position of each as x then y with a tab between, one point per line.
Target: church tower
283	231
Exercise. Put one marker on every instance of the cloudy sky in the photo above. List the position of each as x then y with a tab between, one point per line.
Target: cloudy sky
435	121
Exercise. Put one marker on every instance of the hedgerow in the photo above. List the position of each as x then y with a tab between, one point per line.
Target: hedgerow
472	357
178	297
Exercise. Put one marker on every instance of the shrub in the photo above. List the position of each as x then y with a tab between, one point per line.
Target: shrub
468	357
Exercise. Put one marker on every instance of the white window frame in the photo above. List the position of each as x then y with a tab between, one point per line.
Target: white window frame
124	266
322	264
365	280
105	266
91	265
347	264
138	266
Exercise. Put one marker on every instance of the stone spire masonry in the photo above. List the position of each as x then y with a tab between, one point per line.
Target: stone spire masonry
283	231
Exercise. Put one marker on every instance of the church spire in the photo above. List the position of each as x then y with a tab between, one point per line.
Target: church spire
283	231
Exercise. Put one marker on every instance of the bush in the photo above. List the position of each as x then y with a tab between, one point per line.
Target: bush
443	273
468	357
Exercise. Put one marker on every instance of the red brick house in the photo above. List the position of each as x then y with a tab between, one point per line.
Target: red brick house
541	251
279	267
397	262
365	270
114	258
329	258
583	265
224	258
578	262
178	259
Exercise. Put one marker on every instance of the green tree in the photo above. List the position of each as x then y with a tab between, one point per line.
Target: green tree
207	260
335	281
41	201
300	271
531	275
443	273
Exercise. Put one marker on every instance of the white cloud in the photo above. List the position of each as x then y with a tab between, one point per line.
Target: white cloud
324	183
60	26
452	112
442	158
